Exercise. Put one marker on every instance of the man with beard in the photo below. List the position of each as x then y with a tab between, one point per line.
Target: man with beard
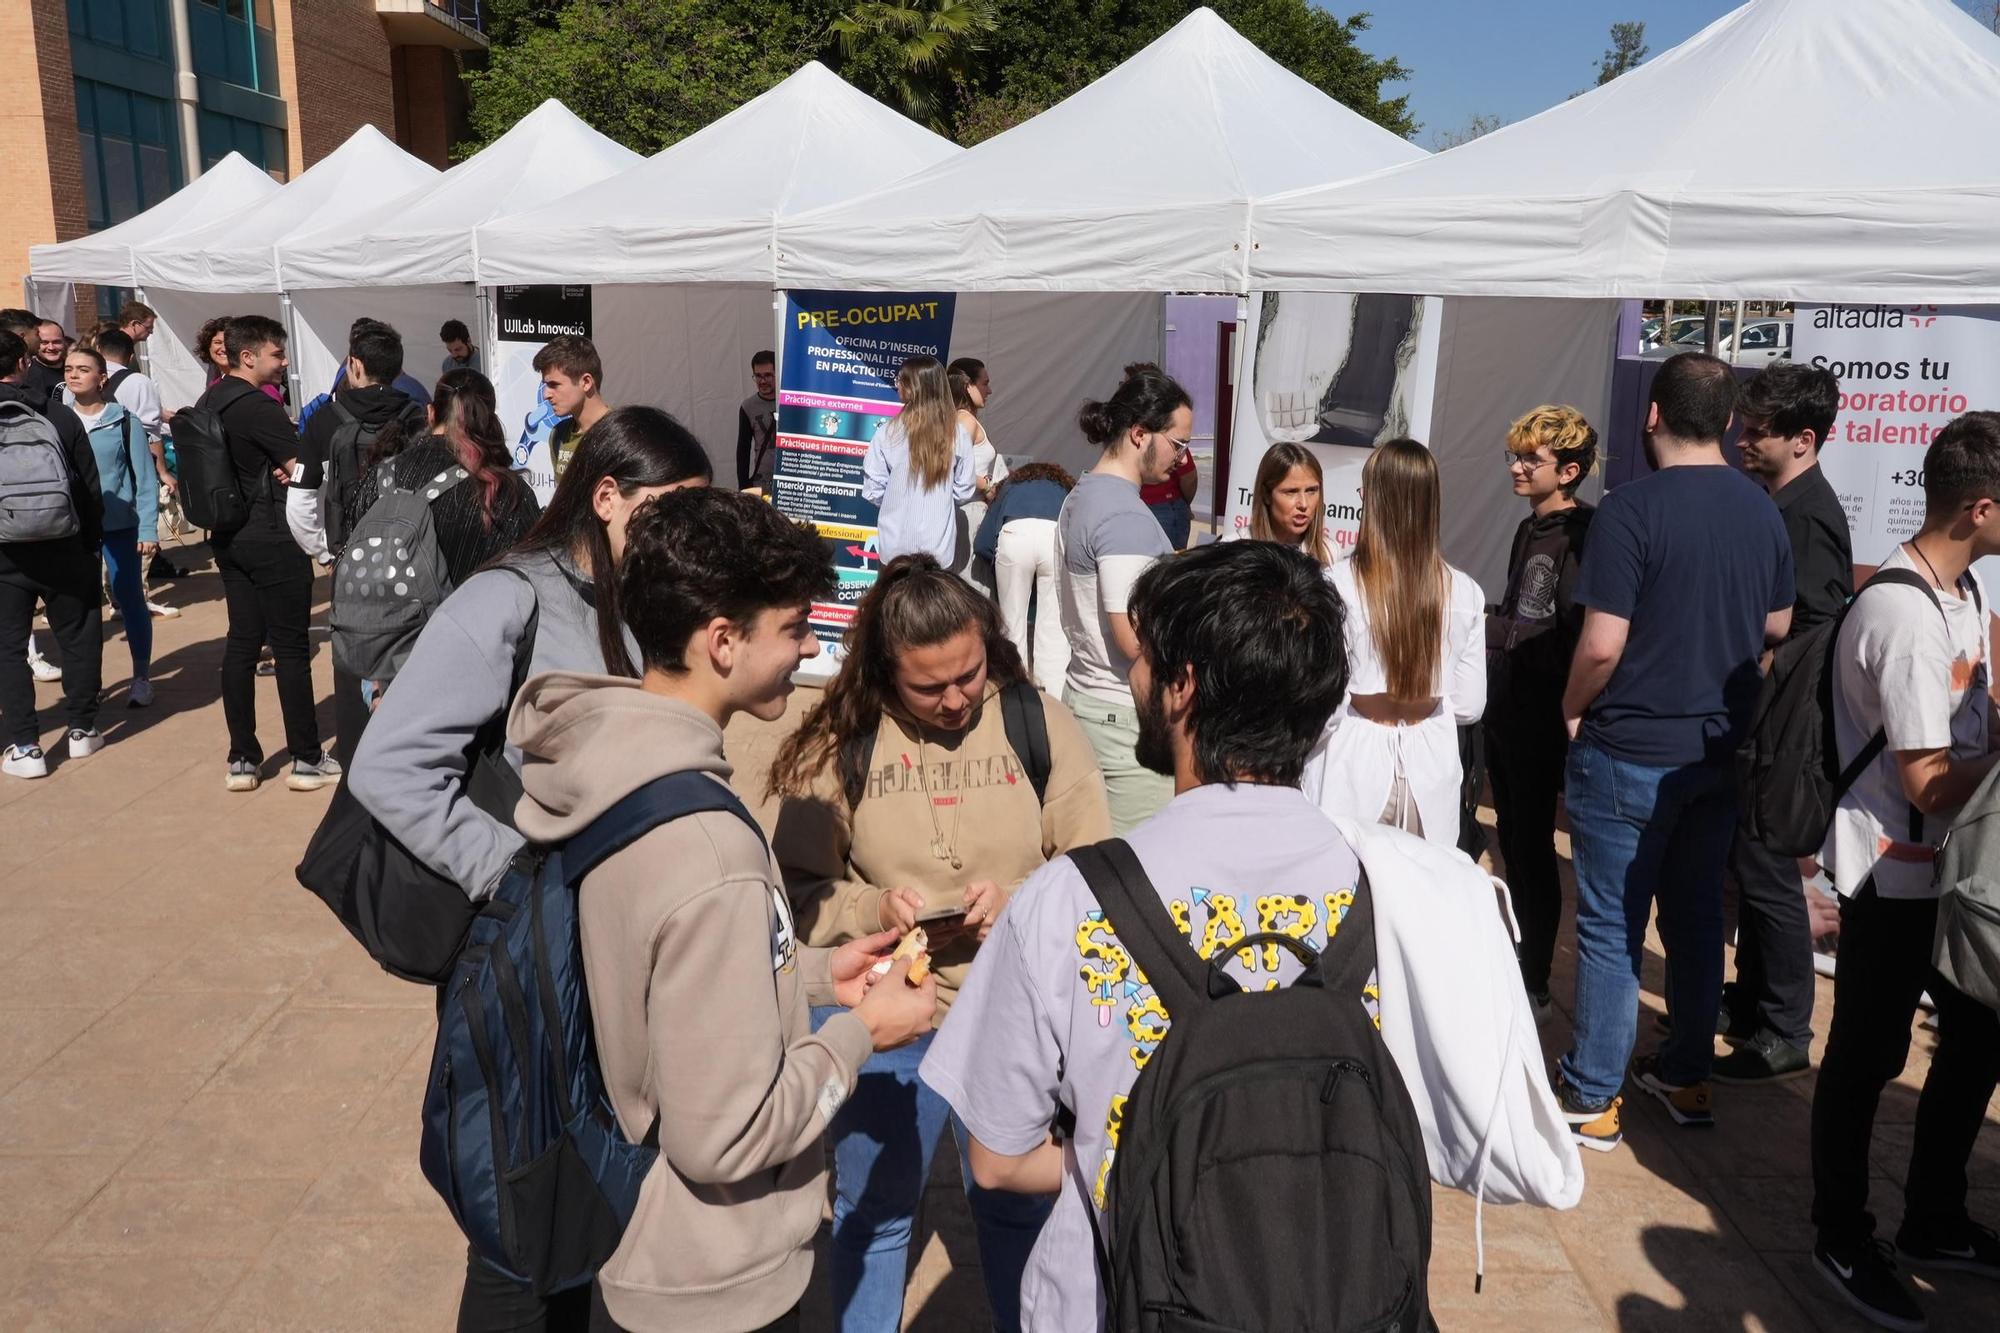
1239	661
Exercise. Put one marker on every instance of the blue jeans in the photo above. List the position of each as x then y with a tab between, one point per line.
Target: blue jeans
1176	520
882	1144
128	590
1640	834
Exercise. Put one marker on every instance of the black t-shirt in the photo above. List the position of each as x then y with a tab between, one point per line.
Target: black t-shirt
1695	558
1532	636
1822	552
261	438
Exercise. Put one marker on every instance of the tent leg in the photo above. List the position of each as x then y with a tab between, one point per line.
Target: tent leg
291	340
489	333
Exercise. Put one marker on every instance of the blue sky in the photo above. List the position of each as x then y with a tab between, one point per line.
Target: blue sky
1492	57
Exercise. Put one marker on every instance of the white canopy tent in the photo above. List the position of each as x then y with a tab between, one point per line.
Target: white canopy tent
1659	185
1885	188
1141	182
410	260
230	266
229	189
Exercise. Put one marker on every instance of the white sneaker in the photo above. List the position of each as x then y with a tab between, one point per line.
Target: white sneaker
24	762
161	612
43	669
312	777
242	776
83	744
141	694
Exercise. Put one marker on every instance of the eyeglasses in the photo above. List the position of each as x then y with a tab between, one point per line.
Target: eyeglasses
1526	461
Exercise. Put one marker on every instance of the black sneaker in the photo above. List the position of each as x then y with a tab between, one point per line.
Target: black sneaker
1766	1058
1594	1125
1865	1277
162	570
1967	1248
1736	1019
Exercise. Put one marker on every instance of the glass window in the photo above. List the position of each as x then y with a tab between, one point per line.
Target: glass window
234	40
127	144
263	145
93	181
135	26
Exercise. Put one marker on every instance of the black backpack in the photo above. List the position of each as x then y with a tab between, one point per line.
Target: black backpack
1027	734
110	389
412	920
1271	1172
1788	771
346	459
212	492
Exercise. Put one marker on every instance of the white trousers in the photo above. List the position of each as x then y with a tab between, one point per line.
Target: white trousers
1024	566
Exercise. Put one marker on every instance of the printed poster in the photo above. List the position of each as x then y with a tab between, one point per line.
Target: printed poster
525	319
836	385
1337	373
1904	372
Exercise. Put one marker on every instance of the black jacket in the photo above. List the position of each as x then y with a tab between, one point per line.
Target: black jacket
374	406
44	385
71	561
1532	636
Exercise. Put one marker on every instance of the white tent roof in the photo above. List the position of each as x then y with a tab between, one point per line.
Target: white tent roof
1140	182
237	252
1831	150
426	235
703	209
224	190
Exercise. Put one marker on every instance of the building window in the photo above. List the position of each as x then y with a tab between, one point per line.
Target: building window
222	135
129	162
135	26
235	41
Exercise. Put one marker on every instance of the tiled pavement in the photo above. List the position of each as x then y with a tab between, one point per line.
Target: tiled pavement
208	1094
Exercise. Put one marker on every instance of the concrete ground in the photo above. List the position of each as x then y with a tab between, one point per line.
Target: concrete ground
209	1094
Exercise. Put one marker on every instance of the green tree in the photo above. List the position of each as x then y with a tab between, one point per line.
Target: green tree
645	72
1628	48
1475	127
920	52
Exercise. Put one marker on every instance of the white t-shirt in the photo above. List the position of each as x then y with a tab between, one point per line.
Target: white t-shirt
1461	674
1052	1007
1105	539
1901	668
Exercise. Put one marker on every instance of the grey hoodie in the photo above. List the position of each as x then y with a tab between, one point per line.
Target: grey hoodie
699	1000
409	771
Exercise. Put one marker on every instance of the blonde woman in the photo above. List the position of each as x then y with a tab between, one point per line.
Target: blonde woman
919	468
1416	655
1289	503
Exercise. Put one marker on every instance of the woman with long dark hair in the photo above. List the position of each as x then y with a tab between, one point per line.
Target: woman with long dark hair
1416	658
549	604
904	797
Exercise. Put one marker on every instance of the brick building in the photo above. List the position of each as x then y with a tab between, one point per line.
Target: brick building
113	105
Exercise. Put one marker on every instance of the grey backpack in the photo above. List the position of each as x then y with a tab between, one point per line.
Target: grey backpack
35	500
1967	949
390	577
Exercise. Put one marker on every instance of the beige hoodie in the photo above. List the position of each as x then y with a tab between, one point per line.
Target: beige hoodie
966	791
698	996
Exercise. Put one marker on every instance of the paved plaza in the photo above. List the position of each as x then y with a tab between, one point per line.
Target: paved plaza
209	1094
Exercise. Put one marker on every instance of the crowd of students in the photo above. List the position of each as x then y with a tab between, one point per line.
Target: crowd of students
1040	668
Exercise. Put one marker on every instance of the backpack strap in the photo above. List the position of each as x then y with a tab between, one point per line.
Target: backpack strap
111	385
1140	920
1028	732
1908	578
660	801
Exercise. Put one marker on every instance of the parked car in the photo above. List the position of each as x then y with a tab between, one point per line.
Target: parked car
1761	342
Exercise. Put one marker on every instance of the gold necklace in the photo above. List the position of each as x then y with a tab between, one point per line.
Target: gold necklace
942	849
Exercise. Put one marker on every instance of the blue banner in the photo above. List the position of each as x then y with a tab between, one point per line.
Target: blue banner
836	386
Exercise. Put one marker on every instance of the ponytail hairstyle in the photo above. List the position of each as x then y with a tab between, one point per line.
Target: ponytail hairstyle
961	392
1404	580
928	419
635	447
915	603
1279	460
468	417
1147	399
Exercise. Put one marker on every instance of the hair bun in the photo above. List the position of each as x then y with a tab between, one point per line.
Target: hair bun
1095	421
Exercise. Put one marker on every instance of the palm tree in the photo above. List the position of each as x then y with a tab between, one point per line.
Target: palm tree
927	44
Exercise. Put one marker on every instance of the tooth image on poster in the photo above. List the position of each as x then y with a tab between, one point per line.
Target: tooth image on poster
1339	374
836	387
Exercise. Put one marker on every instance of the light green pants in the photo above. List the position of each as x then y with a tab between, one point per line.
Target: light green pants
1136	793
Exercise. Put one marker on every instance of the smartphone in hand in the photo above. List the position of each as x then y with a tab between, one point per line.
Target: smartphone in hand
945	927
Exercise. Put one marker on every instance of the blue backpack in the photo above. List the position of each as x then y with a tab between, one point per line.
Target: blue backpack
519	1135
